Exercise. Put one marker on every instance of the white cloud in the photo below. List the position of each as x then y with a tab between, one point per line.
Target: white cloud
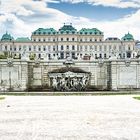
31	15
112	3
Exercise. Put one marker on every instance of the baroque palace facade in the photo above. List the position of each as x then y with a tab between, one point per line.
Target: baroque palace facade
69	60
67	41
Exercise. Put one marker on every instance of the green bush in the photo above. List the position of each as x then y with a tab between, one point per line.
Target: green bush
3	57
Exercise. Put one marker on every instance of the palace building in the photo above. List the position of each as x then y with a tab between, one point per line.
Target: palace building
69	60
68	41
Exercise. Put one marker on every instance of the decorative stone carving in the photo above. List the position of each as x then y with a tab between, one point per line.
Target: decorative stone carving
37	62
113	55
24	55
101	62
10	62
45	56
127	62
69	81
68	61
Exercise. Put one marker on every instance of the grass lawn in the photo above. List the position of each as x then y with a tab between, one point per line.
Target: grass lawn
1	98
138	98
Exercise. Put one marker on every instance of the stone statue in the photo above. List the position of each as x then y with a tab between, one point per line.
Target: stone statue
84	81
113	55
55	57
54	83
24	55
45	57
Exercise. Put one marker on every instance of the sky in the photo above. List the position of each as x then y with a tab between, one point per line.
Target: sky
114	17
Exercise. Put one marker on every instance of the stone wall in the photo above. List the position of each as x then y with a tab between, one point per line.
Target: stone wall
125	74
38	73
13	76
111	75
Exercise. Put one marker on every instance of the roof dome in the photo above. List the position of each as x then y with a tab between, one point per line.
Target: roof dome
42	31
7	37
93	31
67	29
128	37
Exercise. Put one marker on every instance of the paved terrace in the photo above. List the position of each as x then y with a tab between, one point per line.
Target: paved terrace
70	118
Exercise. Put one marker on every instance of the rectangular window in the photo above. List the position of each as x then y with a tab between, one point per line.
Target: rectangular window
95	48
104	48
29	48
5	48
62	48
44	48
81	48
67	47
14	48
77	48
53	48
100	48
73	47
49	48
39	49
34	48
19	48
109	47
85	48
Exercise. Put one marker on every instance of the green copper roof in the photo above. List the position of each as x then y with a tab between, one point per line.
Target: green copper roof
23	39
128	37
42	31
7	37
92	31
67	29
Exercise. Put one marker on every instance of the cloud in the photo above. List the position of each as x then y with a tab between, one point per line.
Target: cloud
22	18
111	3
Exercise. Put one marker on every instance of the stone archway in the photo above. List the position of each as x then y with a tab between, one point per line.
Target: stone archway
69	79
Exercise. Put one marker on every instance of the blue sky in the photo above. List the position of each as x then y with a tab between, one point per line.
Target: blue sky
114	17
98	12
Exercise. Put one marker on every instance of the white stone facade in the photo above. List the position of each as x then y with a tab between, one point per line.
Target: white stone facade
51	44
25	63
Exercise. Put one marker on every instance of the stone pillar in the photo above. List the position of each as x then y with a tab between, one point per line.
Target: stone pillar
114	75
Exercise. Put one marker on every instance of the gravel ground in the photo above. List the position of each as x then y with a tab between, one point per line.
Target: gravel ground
70	118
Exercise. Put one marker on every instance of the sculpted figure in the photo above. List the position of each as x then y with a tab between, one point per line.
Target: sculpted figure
84	80
63	83
54	83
